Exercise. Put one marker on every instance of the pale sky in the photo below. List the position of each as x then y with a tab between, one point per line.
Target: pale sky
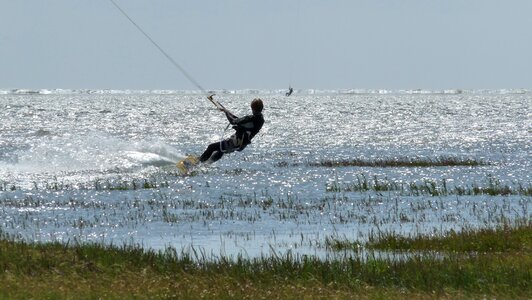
267	44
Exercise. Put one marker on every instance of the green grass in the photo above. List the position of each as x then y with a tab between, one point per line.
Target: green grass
98	184
504	238
397	162
56	270
401	162
427	187
516	237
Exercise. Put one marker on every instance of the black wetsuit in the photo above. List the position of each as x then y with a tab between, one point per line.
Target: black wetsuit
246	128
290	91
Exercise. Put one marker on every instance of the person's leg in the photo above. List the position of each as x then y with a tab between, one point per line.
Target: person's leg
227	146
214	147
216	155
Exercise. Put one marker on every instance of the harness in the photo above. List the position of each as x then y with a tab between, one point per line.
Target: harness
222	138
240	139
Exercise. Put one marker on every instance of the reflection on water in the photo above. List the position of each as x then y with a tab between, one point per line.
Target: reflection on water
100	167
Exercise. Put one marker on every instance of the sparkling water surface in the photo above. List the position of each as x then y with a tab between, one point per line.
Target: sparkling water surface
101	167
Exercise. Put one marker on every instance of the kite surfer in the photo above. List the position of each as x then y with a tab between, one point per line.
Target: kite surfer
246	128
290	91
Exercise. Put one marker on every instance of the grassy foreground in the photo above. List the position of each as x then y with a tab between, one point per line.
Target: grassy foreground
94	271
489	240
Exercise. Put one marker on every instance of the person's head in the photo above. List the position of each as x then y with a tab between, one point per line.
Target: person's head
256	106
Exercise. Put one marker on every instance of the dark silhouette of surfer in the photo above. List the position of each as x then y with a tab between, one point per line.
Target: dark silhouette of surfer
290	91
246	128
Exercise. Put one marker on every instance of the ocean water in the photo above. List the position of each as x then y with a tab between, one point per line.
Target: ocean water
99	166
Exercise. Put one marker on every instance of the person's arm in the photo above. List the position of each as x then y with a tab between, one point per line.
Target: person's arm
231	117
245	122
